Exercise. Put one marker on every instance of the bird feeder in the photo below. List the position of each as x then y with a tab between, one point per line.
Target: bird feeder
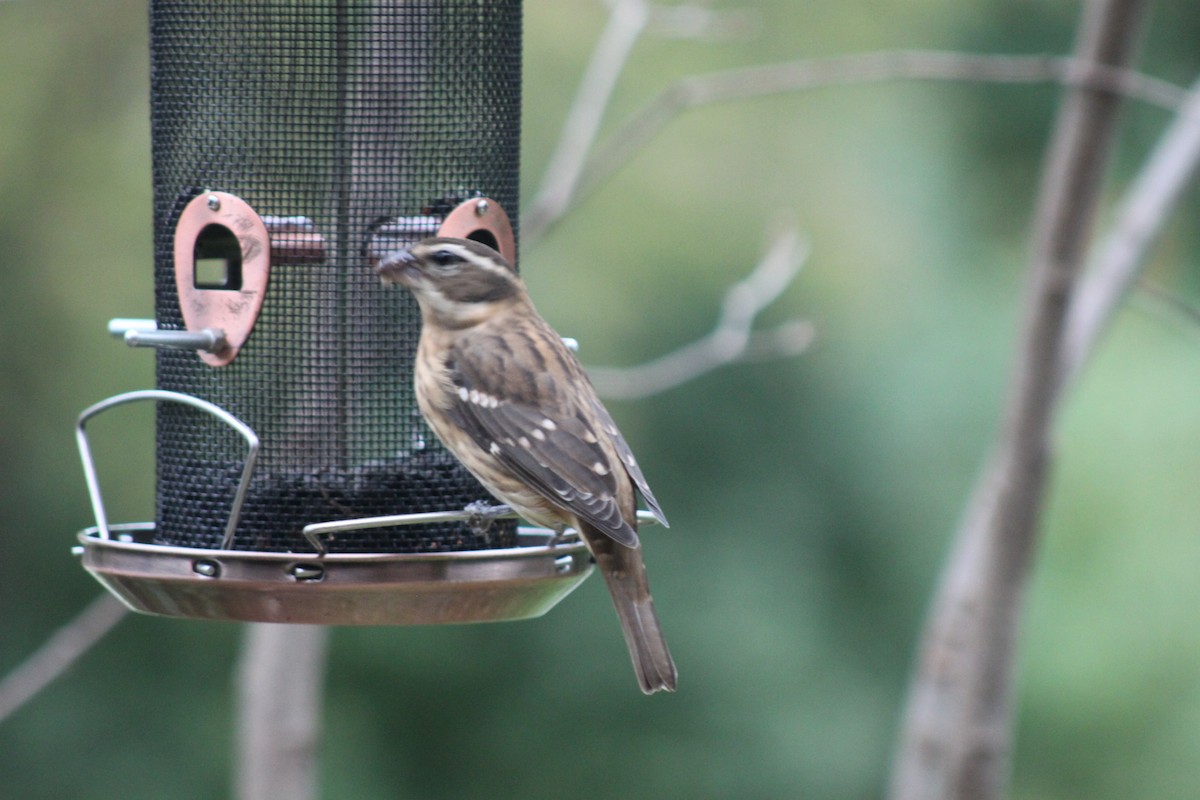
294	143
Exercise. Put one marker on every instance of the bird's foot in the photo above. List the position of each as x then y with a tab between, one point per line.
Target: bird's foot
483	515
561	535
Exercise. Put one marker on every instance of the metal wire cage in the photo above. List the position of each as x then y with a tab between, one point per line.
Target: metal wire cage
339	123
294	142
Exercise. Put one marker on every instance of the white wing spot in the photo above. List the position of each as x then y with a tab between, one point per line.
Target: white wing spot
494	449
524	442
599	468
479	398
549	425
463	394
589	437
535	433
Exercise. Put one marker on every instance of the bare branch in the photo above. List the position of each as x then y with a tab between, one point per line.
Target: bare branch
732	339
625	24
698	23
796	76
956	737
1167	304
628	20
1144	210
68	644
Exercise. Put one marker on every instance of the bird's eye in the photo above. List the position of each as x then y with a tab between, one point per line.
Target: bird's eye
445	258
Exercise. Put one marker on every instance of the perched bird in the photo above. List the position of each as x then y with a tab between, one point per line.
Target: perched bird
505	395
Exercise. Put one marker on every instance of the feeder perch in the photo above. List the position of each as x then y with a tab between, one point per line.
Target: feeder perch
294	144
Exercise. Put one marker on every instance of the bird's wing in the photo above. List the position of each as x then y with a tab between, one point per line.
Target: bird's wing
531	424
631	465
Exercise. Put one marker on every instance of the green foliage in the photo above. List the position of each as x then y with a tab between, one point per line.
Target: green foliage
811	499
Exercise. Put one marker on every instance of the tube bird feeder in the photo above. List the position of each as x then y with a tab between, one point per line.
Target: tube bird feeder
294	143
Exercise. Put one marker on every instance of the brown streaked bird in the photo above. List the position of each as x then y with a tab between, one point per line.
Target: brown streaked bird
505	395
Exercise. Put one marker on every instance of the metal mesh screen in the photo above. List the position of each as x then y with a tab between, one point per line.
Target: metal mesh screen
345	113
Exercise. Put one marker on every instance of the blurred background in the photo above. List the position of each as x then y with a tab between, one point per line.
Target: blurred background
811	498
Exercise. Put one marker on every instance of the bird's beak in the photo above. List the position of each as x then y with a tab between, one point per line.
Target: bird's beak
399	266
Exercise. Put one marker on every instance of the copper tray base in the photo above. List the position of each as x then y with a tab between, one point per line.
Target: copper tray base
336	589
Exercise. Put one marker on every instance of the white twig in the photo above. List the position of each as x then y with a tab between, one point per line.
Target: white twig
732	339
63	649
1144	210
698	23
625	24
889	65
628	20
1167	305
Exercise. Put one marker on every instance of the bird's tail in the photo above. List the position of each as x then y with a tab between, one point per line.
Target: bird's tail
625	573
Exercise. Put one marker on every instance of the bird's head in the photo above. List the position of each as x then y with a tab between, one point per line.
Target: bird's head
457	282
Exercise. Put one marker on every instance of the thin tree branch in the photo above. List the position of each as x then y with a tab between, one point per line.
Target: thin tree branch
956	737
732	339
795	76
625	25
628	20
1143	212
280	691
702	24
1166	304
68	644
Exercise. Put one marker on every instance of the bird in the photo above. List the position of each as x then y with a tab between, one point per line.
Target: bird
510	400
